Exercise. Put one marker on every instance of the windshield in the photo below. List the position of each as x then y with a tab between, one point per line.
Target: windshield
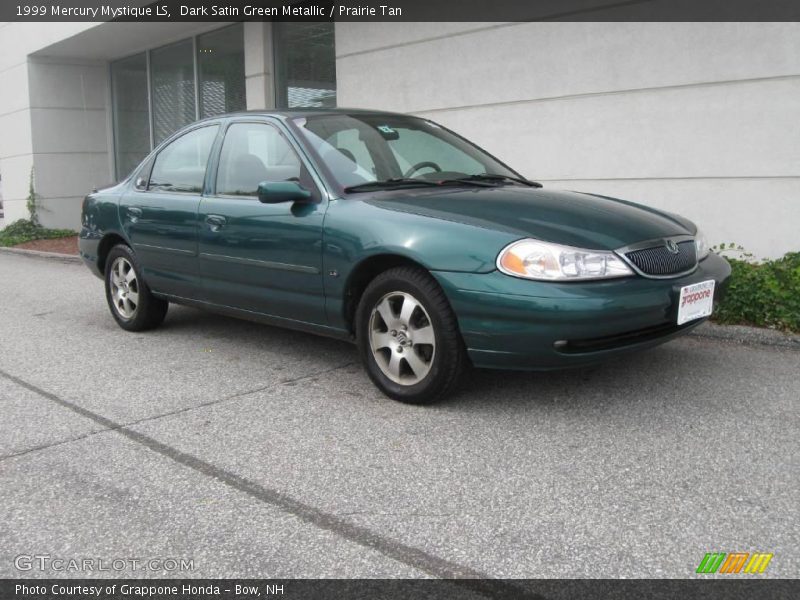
359	149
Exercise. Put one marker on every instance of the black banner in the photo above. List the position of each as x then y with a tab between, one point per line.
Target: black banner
373	589
399	10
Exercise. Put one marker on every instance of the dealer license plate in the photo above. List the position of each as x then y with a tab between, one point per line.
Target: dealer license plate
695	301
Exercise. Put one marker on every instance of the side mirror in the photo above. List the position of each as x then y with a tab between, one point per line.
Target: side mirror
275	192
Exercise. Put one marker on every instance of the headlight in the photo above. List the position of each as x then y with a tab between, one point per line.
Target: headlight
533	259
701	245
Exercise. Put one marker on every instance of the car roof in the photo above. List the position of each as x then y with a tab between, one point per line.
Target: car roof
293	113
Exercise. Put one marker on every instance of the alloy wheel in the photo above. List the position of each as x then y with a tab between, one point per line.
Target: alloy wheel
124	288
401	338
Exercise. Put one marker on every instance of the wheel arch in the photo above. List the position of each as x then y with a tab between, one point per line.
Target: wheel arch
108	241
364	272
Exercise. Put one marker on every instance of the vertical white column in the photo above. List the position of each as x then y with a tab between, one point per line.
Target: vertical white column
16	140
259	65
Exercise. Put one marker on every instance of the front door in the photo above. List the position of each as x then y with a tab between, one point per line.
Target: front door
262	258
159	214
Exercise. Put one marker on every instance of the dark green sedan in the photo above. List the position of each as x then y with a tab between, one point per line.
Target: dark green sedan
396	233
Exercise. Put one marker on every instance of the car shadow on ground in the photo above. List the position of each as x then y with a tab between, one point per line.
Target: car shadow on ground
621	380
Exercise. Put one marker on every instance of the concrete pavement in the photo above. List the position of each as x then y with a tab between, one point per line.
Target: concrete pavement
260	452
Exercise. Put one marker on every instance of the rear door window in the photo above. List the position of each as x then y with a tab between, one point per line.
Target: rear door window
181	165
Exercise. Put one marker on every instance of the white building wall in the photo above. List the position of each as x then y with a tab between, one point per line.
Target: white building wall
695	118
19	111
16	147
70	135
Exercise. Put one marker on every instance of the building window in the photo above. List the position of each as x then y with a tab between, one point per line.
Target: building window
157	92
220	66
305	64
172	90
130	111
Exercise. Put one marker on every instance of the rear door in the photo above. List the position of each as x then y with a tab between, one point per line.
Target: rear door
159	213
263	258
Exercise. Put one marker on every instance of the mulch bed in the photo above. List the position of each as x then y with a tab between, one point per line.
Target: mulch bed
67	245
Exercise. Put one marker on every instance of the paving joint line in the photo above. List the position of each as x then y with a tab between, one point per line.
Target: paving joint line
171	413
411	556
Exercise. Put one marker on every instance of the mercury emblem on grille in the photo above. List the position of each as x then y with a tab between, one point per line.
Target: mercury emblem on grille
671	246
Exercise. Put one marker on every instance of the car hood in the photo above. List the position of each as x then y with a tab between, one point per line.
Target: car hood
570	218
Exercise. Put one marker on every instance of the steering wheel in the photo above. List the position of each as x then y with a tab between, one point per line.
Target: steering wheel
426	164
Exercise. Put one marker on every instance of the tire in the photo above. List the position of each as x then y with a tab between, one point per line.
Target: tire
408	337
130	301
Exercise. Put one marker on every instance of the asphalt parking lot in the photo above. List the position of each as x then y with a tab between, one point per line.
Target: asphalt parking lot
260	452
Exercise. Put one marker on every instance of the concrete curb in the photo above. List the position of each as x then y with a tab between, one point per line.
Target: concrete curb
742	334
739	334
66	258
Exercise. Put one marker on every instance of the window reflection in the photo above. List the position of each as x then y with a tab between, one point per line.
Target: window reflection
220	66
172	88
131	115
305	64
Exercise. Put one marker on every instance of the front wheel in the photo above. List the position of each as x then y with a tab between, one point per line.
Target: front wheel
408	337
132	305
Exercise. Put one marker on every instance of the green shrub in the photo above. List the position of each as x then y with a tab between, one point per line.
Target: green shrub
33	201
764	293
25	230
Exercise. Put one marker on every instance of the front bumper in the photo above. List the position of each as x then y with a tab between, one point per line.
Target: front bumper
511	323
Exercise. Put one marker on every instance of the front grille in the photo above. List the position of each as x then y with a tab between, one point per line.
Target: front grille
659	261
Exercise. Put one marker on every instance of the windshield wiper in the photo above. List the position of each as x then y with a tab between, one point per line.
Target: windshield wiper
499	177
389	183
467	181
480	180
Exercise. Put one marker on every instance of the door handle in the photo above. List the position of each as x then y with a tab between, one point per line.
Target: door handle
215	222
134	212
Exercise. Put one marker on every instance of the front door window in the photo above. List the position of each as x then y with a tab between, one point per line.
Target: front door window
256	152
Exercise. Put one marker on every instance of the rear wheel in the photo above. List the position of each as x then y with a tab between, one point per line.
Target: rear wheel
132	305
408	337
